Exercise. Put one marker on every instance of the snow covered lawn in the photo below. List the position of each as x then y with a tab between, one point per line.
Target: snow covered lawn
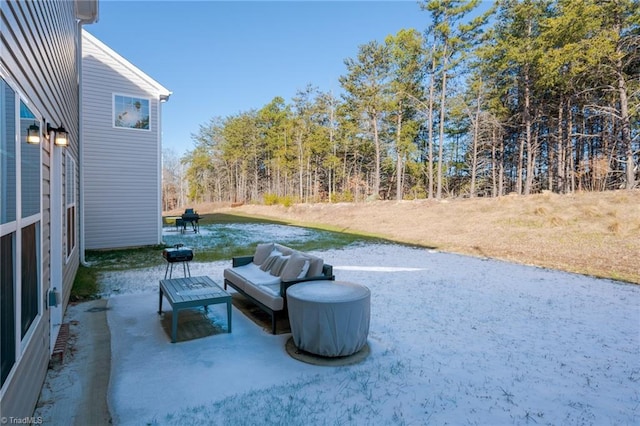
454	340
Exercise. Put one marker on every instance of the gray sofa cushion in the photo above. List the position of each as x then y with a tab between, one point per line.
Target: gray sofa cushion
316	264
269	295
297	267
283	249
278	264
246	275
262	252
315	268
269	261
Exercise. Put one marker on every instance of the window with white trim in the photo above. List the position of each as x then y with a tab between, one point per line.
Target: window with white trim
130	112
20	227
70	203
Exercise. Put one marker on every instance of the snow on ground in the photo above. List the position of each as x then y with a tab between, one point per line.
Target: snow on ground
454	340
238	233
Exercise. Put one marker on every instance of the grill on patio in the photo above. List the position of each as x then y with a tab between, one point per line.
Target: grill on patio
179	253
190	216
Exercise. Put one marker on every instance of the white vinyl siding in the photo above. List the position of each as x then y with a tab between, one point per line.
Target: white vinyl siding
38	59
122	169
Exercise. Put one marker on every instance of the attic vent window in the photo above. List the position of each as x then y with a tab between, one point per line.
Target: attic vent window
130	112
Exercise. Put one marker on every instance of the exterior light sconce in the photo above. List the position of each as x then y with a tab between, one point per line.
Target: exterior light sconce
61	138
33	134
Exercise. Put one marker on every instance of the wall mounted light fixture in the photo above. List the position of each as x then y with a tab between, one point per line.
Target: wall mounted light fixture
33	134
61	138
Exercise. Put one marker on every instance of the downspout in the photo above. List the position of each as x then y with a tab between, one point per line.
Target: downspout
81	243
161	100
86	13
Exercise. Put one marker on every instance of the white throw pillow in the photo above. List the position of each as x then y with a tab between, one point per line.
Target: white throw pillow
305	269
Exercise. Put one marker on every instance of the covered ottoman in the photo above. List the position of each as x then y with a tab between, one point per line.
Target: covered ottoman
329	318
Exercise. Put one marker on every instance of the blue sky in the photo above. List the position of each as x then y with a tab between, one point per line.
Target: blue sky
221	58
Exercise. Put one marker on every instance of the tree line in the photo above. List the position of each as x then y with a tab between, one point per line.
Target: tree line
531	95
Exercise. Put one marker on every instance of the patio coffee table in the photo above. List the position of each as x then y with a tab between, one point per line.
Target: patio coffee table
191	292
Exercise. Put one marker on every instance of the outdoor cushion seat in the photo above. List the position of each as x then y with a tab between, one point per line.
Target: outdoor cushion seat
265	276
250	273
267	295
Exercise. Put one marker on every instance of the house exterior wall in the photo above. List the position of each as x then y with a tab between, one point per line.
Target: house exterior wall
39	62
122	166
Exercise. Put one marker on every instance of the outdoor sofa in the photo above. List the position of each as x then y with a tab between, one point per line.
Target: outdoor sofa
265	276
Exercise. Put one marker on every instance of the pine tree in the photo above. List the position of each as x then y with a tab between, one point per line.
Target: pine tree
453	37
366	89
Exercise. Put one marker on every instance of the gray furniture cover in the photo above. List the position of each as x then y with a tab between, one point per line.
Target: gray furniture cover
329	318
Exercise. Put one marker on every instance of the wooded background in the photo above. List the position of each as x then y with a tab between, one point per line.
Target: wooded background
530	96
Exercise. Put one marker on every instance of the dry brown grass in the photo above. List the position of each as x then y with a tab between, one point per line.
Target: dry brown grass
589	233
